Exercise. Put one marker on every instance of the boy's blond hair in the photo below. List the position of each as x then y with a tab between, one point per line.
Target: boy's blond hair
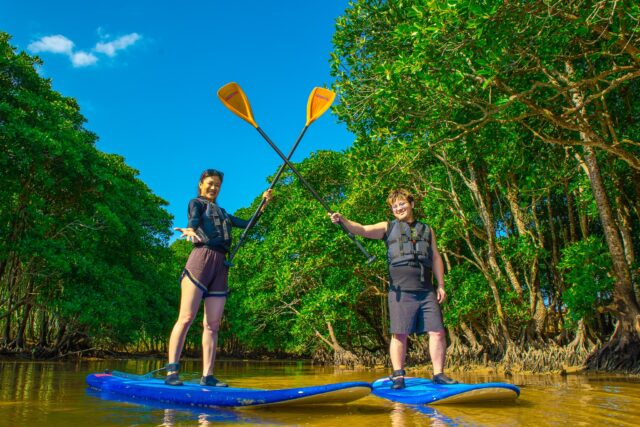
399	193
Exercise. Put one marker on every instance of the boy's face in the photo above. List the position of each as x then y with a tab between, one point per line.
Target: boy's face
402	209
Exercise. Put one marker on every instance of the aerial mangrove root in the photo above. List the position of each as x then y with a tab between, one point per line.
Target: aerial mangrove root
620	354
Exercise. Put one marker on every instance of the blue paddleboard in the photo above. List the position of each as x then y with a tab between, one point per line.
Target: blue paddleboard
420	391
140	387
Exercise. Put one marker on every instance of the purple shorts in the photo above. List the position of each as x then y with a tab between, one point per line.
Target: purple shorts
206	269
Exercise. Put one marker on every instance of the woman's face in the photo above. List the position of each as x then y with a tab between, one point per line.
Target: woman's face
210	187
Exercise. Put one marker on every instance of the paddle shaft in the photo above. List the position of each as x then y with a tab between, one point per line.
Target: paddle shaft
304	182
256	214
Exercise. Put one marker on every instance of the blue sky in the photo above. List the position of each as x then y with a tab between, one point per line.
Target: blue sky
145	74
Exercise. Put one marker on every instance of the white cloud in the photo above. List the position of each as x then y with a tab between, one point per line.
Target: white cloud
102	33
61	45
110	48
53	44
83	59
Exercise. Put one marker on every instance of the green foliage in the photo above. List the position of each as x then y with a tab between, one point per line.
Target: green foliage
476	107
470	298
485	110
82	239
587	270
522	250
291	278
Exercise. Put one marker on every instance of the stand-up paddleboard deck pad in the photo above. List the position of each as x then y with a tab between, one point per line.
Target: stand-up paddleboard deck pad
140	387
419	391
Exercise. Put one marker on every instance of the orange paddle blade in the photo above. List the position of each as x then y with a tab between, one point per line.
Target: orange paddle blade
319	101
233	97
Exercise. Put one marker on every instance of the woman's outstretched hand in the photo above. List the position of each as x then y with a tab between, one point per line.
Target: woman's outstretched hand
267	196
189	233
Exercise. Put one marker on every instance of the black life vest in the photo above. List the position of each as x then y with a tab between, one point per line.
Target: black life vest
215	227
405	249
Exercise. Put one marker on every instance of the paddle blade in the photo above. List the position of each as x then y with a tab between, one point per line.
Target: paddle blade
319	101
235	100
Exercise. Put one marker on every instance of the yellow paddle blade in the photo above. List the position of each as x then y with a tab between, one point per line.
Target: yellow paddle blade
235	100
319	101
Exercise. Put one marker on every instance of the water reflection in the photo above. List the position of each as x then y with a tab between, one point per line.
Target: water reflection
173	414
55	394
404	416
492	414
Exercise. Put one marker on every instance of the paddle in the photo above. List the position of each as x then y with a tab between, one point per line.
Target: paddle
235	100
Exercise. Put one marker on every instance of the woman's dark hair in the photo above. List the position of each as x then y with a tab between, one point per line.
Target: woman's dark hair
207	173
211	172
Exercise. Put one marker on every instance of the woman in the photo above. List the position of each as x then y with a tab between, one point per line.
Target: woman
205	275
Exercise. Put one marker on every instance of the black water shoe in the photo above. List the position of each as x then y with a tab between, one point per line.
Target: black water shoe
172	378
397	378
212	381
443	379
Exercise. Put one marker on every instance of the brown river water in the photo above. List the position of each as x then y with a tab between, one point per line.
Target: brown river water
55	394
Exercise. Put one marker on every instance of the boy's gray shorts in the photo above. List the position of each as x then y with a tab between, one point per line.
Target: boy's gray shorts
414	312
